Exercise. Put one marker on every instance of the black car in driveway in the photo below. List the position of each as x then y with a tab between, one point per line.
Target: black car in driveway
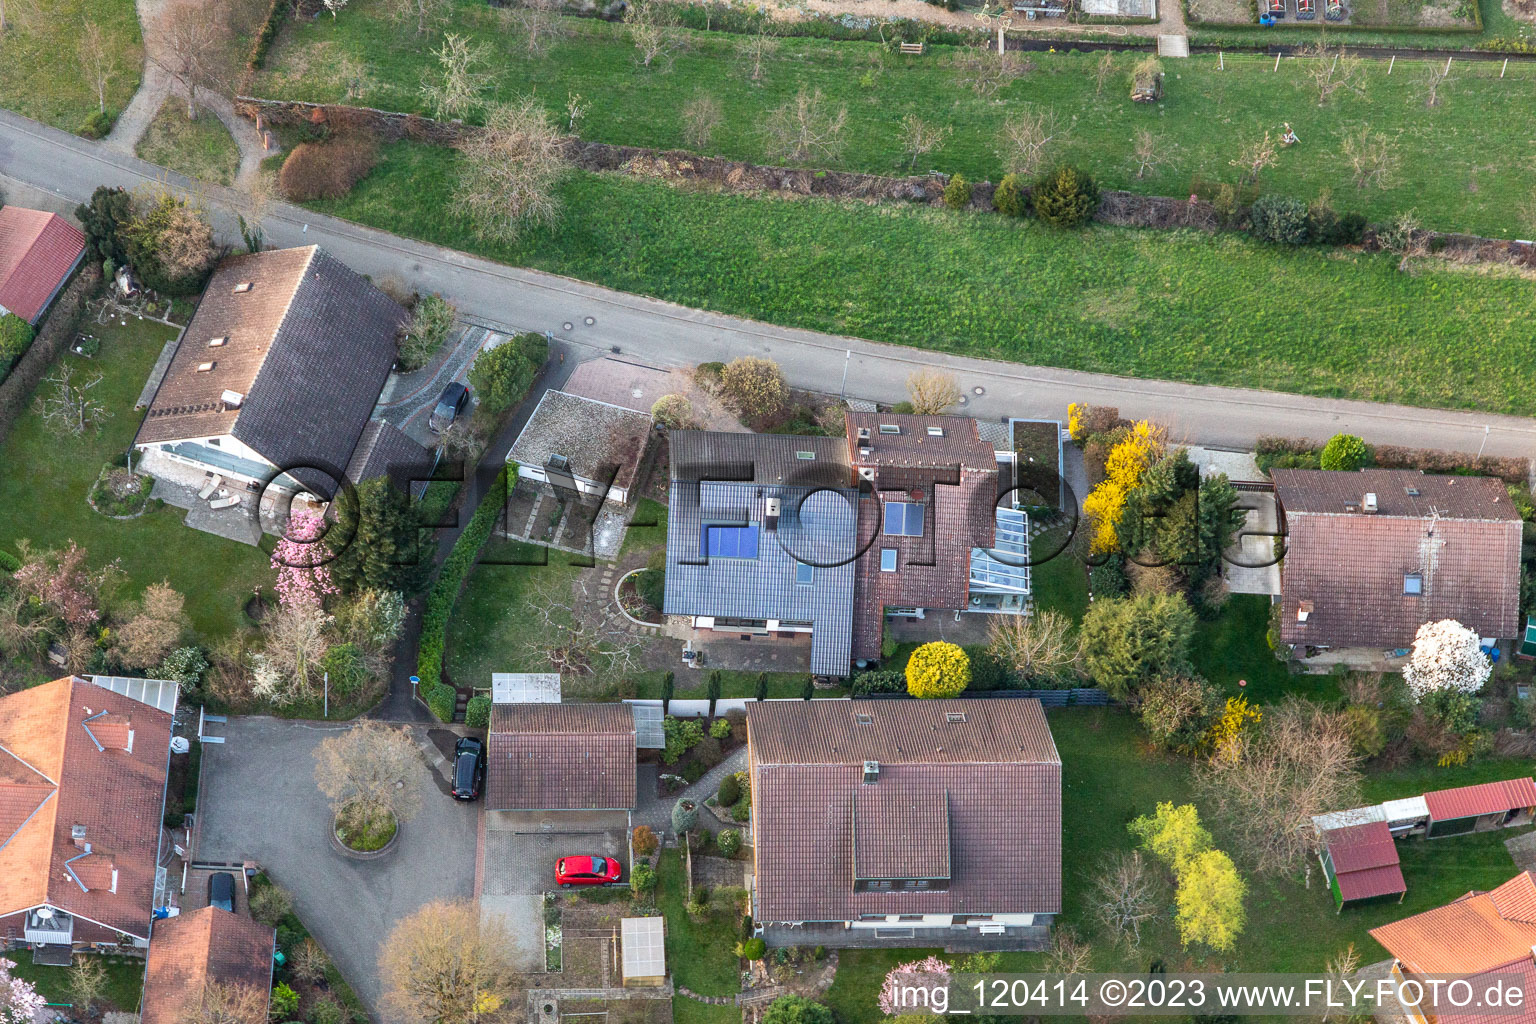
221	891
449	405
468	768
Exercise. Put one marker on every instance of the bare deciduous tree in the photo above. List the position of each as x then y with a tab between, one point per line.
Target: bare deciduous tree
1101	72
227	1004
1431	81
146	638
1331	70
654	30
932	392
1341	968
96	60
511	168
701	115
1148	151
464	71
308	961
919	137
87	981
1126	894
72	405
541	25
1373	157
989	72
295	643
1273	779
370	772
192	48
464	440
20	628
422	13
334	6
570	643
1038	645
575	110
1027	139
1252	159
805	128
1068	954
756	50
447	963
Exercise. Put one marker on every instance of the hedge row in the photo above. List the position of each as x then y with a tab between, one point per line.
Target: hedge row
445	593
277	13
8	561
57	331
1509	468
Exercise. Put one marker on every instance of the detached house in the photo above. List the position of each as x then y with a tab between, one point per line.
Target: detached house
904	823
779	537
1371	556
206	947
82	796
275	378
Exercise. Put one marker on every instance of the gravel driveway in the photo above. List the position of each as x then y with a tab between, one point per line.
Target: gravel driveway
260	802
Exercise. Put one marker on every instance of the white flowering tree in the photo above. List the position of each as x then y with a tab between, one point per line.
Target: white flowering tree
906	980
19	1001
1446	656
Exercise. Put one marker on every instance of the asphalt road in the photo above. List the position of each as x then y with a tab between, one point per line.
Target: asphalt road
664	334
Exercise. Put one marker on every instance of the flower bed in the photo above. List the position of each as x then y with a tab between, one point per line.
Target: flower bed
365	833
119	493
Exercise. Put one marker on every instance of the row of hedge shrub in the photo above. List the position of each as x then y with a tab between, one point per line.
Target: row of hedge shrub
1286	220
57	331
15	337
277	13
439	696
1305	453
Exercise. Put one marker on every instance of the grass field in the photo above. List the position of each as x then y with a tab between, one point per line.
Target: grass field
46	503
201	149
1464	165
41	73
125	980
1183	305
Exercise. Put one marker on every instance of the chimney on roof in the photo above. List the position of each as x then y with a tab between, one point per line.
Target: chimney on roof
1303	609
1368	503
871	772
771	510
863	433
77	836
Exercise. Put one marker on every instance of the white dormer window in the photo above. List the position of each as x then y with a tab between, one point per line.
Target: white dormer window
218	342
242	287
205	367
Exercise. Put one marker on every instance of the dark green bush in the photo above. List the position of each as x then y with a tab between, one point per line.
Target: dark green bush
502	376
957	194
442	701
730	792
879	682
8	561
96	126
1327	227
987	672
651	584
1009	199
1066	197
15	336
1108	579
477	714
347	673
1279	219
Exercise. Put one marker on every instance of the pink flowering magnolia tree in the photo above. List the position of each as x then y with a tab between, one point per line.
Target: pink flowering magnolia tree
920	975
64	584
19	1001
300	558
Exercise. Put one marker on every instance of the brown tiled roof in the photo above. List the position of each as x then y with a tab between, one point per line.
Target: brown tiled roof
1487	798
1468	936
209	945
603	443
1365	861
37	252
996	774
561	757
53	777
1461	535
955	476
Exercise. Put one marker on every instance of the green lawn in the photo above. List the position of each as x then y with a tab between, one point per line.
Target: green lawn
493	620
1463	166
1233	647
702	954
647	528
1061	583
42	495
201	149
125	980
1174	305
41	71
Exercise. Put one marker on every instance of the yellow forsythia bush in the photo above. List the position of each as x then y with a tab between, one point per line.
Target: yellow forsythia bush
1139	447
938	669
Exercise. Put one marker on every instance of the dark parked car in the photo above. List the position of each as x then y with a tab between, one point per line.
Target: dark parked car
221	891
449	405
468	768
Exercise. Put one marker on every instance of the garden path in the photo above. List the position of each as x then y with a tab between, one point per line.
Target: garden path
656	812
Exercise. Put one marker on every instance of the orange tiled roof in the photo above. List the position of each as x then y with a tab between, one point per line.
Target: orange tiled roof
1477	933
54	776
207	945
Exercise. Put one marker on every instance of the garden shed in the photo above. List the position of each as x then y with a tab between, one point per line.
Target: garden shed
1360	862
643	942
1481	808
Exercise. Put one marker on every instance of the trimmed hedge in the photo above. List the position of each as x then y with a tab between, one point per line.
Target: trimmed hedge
57	331
8	561
445	591
477	715
442	701
15	337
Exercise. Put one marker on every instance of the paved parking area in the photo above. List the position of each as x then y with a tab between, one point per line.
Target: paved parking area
260	802
521	848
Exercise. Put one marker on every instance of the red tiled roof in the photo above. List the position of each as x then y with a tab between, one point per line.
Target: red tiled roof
561	757
1488	798
118	795
1469	936
37	252
1524	970
1460	534
1363	885
190	951
817	823
1515	900
1358	847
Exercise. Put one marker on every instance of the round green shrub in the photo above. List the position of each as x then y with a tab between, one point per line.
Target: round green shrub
729	793
1344	452
642	879
719	728
729	841
685	816
957	194
1066	197
651	585
1279	219
441	701
477	713
1108	578
754	949
1009	199
96	126
345	669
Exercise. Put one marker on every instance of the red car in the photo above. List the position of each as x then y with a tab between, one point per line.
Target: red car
571	871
